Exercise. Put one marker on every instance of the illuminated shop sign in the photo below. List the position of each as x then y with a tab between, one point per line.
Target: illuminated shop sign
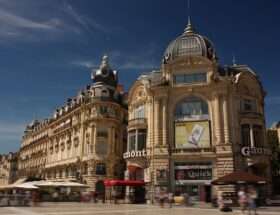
193	172
276	173
135	154
248	151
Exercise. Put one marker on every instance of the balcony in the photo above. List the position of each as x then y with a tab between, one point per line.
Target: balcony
137	123
194	151
250	114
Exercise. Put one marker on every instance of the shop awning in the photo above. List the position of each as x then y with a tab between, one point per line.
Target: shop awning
133	167
59	184
239	177
133	183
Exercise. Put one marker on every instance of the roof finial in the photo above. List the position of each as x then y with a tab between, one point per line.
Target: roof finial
234	60
189	29
104	61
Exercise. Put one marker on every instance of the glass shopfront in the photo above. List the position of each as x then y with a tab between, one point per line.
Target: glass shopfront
193	179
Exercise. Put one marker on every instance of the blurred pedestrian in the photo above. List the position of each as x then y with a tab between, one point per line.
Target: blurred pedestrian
220	201
252	197
170	199
161	198
242	199
114	194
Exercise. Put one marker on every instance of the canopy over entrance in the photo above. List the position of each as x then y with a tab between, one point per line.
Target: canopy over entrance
133	183
239	177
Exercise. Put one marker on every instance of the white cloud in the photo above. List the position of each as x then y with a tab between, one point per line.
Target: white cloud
22	21
85	22
11	20
85	63
138	65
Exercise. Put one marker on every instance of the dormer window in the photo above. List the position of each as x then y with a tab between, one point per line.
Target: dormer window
139	112
193	78
248	105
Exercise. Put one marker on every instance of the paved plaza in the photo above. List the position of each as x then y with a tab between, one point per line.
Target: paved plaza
121	209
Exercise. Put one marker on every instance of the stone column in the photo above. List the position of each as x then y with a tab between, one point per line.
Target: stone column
136	140
93	138
217	120
113	140
164	122
226	113
149	118
252	136
156	122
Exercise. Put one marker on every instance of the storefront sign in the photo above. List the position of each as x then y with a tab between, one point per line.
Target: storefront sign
193	172
134	154
248	151
161	176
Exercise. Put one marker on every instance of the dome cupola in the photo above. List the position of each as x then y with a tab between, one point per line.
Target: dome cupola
105	75
190	43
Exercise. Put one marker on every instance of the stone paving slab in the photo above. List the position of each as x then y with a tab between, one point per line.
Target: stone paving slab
121	209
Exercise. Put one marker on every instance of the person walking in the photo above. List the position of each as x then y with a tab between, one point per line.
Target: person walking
220	201
170	199
252	197
161	198
242	199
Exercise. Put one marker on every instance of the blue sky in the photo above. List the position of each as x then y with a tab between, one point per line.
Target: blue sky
48	47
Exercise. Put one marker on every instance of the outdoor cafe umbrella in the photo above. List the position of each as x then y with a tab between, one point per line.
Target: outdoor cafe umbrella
239	177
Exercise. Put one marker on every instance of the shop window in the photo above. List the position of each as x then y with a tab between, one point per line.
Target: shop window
190	78
100	169
132	140
245	135
248	105
66	172
192	107
85	169
258	135
103	109
102	132
141	142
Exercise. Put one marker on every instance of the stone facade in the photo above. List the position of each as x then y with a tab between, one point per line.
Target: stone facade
8	168
197	120
84	139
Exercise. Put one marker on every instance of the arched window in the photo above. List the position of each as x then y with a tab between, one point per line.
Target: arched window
191	108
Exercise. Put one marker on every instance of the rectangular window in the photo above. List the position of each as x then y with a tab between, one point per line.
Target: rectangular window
132	140
245	135
179	79
102	132
141	144
139	112
248	105
100	169
258	135
190	78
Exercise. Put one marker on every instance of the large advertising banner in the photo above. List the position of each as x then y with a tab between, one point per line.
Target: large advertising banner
193	134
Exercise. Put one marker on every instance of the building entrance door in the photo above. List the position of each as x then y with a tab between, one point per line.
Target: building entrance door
208	193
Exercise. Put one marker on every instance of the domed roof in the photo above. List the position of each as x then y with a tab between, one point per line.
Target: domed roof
105	75
190	44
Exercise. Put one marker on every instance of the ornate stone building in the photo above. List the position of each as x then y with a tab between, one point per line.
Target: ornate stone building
195	120
84	139
8	168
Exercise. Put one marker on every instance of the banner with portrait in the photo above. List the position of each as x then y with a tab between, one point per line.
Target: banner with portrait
192	134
